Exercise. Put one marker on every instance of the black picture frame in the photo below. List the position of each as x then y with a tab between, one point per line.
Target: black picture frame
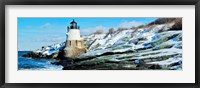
3	3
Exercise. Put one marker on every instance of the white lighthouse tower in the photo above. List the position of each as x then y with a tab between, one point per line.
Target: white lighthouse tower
74	43
73	31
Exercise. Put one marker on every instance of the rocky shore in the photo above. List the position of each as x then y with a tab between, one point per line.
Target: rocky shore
152	47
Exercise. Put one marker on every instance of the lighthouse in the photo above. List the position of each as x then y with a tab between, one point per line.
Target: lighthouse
74	43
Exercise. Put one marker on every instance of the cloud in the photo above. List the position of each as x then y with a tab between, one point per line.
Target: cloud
130	24
46	25
54	38
92	30
125	24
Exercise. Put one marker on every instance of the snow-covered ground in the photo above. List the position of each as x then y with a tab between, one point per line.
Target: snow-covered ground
156	41
48	50
161	41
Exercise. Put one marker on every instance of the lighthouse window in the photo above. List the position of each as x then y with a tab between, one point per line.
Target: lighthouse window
70	43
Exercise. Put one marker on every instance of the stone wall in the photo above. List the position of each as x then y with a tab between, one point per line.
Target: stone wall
73	51
75	43
73	48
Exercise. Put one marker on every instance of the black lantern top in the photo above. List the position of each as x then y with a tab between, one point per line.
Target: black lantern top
73	22
73	25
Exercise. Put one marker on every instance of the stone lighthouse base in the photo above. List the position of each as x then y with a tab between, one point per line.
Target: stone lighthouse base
73	51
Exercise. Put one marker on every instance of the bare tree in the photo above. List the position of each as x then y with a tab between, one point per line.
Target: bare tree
141	26
177	25
120	29
133	27
99	31
111	31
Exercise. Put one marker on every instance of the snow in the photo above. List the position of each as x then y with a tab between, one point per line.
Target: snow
121	50
168	61
164	51
159	53
138	46
146	36
117	37
130	39
110	39
171	41
51	49
168	33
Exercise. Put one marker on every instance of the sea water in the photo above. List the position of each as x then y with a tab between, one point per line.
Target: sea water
35	64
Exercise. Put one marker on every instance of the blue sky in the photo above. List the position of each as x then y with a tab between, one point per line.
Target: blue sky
33	33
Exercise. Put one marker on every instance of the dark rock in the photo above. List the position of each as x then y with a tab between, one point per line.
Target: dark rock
155	67
40	55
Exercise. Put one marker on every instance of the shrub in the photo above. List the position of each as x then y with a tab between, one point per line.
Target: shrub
111	31
100	31
141	26
121	29
162	21
177	25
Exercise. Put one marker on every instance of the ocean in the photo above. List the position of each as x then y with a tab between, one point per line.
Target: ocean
35	64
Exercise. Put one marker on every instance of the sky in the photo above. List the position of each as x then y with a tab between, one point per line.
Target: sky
33	33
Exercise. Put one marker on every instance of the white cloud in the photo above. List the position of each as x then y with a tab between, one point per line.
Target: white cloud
92	30
53	38
130	24
125	24
46	25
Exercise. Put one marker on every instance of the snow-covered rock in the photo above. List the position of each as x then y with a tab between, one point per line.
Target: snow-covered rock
153	45
49	50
